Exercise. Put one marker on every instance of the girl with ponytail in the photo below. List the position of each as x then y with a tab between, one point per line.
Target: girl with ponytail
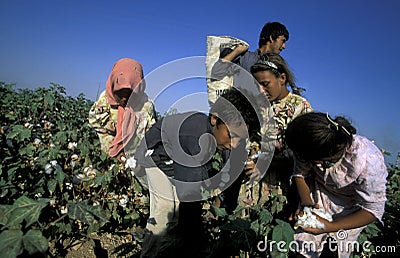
340	172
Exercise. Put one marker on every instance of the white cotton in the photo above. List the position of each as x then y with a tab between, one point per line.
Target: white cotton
130	163
48	169
309	220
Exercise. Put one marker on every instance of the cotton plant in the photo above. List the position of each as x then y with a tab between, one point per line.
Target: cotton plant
309	219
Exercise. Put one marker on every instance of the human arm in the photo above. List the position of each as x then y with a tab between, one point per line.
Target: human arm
304	191
356	219
225	65
369	186
237	51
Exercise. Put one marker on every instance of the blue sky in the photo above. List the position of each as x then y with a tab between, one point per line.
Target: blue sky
345	53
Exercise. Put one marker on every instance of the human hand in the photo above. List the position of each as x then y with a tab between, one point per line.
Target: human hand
121	157
254	173
327	226
299	211
240	49
314	220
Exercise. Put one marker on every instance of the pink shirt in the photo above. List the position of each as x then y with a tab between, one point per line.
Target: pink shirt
357	180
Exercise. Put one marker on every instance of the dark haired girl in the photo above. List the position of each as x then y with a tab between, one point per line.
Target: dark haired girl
347	179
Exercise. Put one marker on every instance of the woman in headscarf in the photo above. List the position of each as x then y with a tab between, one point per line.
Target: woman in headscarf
123	112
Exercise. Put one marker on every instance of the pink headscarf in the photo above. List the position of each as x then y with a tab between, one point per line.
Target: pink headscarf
126	74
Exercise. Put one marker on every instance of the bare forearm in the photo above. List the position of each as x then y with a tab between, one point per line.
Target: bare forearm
239	49
354	220
303	191
231	56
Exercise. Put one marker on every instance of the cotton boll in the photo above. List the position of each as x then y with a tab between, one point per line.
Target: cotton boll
309	220
130	163
72	145
123	200
48	169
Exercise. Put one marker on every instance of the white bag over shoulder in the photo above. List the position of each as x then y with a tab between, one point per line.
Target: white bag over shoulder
214	45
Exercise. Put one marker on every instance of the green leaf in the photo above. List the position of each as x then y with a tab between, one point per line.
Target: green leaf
25	209
4	213
86	213
60	175
10	243
102	179
49	98
287	230
11	171
282	233
372	230
15	131
35	242
265	217
94	227
25	134
28	150
51	185
220	212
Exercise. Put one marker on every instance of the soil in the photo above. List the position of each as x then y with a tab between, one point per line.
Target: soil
102	245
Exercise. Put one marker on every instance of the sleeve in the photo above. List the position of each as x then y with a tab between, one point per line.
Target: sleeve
221	69
103	119
372	182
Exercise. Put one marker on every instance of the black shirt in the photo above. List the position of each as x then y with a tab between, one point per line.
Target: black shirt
181	145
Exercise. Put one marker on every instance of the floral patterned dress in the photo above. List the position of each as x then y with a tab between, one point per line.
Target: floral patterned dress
103	118
272	144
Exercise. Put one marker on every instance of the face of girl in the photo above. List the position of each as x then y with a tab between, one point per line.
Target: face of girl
272	87
122	96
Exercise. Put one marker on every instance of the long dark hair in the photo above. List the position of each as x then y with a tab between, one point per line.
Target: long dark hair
316	136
